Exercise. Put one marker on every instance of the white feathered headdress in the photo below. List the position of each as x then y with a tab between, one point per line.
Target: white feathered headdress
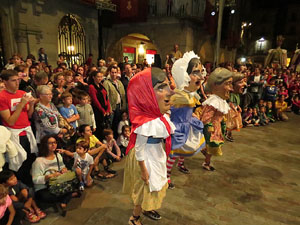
181	77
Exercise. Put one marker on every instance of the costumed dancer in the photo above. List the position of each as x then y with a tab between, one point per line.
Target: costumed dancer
234	118
219	84
188	138
145	175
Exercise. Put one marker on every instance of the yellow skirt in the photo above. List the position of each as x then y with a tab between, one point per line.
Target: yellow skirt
136	187
215	151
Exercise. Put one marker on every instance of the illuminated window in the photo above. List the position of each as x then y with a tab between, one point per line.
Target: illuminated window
71	40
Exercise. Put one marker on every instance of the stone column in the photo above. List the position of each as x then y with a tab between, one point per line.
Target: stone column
22	42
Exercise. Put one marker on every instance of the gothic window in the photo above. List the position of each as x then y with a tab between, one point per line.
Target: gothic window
71	40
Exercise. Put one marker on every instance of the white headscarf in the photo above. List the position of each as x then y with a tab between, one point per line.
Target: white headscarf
181	77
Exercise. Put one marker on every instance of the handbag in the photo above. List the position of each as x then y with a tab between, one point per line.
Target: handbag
64	183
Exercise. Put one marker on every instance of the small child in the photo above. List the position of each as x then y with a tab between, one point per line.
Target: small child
21	196
263	119
284	92
7	211
255	117
296	104
68	110
83	163
123	122
269	112
85	111
97	150
247	118
281	107
123	139
113	150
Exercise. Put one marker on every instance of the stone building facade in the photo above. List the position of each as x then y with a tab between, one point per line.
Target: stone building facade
27	26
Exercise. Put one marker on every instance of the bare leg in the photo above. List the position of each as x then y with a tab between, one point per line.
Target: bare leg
137	210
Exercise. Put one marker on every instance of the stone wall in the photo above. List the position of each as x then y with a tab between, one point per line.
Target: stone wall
29	25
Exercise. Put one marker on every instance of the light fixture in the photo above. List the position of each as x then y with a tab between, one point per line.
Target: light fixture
250	24
261	39
232	11
71	48
213	13
243	59
142	48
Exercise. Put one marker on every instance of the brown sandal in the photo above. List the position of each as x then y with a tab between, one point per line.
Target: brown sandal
208	167
133	222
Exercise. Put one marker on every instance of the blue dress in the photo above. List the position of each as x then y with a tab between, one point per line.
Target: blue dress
188	138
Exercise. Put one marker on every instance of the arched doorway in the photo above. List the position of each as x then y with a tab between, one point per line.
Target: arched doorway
71	40
136	46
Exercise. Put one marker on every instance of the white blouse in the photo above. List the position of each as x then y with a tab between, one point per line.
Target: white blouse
153	155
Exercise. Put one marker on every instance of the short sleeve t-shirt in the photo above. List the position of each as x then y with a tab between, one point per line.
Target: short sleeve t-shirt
3	208
93	141
69	112
83	163
10	101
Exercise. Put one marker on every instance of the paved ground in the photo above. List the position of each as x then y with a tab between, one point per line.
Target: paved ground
257	182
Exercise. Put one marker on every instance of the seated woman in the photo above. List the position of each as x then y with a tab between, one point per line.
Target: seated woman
43	169
46	115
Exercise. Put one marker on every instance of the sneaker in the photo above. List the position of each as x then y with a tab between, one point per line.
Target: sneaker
183	169
81	187
171	186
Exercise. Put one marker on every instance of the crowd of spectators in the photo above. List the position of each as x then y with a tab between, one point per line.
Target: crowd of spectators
77	116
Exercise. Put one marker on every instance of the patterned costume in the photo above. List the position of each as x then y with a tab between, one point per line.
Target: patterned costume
212	117
188	138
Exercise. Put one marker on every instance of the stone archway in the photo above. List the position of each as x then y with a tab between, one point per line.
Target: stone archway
135	45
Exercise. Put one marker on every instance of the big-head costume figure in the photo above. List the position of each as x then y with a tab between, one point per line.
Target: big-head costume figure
219	84
145	175
277	58
234	118
188	139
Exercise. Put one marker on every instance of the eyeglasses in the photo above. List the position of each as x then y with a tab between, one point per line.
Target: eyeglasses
52	143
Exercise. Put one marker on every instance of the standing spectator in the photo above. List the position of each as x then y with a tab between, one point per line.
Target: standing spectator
116	95
127	76
256	82
68	110
32	72
16	107
59	82
24	76
89	60
99	102
85	111
46	115
176	52
41	78
43	58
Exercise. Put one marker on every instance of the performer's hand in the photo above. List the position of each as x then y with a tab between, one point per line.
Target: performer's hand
145	176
